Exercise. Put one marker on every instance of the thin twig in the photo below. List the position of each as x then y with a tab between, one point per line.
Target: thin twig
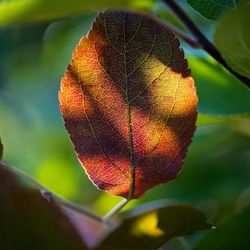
189	40
202	40
50	196
115	210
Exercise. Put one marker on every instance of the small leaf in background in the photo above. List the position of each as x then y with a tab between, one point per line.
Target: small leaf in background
16	11
230	235
30	221
235	49
150	225
129	103
239	123
212	9
218	91
1	150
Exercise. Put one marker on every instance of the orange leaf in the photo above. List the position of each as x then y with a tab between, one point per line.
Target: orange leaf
129	103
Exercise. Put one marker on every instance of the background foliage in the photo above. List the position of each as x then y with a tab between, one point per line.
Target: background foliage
33	56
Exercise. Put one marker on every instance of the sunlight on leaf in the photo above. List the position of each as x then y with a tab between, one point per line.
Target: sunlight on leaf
129	103
150	225
147	225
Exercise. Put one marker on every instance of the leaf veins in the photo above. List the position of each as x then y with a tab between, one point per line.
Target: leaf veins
129	103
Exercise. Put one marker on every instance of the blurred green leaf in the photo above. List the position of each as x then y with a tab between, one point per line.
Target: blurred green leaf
239	123
29	221
218	91
44	10
232	37
212	9
231	235
150	225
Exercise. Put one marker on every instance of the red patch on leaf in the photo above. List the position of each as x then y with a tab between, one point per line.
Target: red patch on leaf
129	103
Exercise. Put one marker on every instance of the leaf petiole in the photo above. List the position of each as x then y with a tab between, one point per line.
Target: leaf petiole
115	210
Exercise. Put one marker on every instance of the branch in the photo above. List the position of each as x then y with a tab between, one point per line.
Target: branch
189	40
202	40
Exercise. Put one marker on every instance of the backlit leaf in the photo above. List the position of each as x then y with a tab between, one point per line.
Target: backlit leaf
150	225
212	9
232	38
129	103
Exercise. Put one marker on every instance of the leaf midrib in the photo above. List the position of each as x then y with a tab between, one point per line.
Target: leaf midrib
130	135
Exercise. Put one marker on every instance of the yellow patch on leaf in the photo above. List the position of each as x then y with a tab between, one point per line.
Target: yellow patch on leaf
129	103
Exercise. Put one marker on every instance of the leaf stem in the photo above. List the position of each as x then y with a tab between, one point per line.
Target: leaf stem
115	210
202	40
